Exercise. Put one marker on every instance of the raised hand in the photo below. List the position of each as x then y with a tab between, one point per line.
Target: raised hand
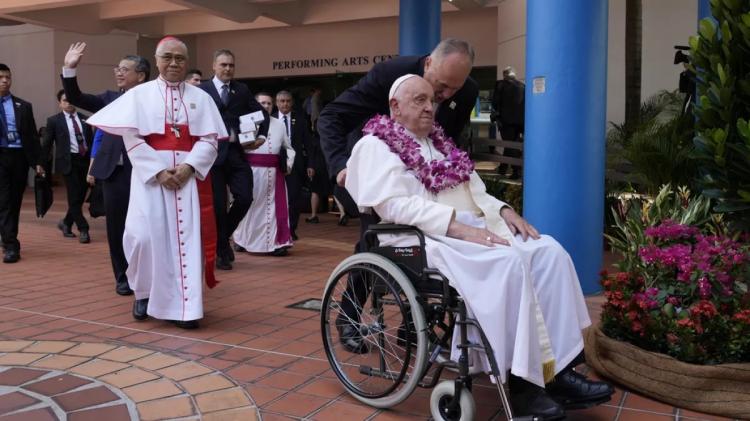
74	54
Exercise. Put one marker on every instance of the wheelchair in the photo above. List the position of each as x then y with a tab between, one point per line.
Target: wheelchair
406	315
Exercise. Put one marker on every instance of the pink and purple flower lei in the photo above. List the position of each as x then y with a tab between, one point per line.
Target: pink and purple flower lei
436	175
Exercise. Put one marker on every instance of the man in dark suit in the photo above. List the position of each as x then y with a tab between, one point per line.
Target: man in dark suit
109	161
73	138
19	150
508	114
446	69
230	168
298	130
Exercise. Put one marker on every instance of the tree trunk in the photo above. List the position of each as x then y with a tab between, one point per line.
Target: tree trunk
633	26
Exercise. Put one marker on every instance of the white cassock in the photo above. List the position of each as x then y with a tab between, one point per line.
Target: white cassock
162	239
265	227
501	285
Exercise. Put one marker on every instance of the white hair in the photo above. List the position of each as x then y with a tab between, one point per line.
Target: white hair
166	40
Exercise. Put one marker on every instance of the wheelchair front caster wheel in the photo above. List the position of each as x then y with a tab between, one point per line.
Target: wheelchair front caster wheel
441	398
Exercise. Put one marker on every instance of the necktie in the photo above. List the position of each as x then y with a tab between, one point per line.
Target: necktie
286	125
225	94
79	136
3	125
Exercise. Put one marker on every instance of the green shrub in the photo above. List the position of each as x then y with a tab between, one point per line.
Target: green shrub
721	59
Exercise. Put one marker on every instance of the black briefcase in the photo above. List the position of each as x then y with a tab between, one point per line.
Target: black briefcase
96	200
42	195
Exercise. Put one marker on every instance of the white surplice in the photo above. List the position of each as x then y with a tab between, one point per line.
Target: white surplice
501	285
257	230
162	240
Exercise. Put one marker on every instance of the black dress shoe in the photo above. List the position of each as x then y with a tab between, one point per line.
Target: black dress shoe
66	230
223	263
83	237
294	237
530	400
186	324
312	220
11	256
238	248
280	252
344	220
230	254
139	309
574	391
123	288
350	337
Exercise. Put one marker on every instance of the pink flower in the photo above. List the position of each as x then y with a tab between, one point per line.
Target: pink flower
435	175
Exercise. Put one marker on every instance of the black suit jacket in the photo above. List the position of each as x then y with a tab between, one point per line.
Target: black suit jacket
112	147
26	128
241	102
370	96
508	101
57	133
302	141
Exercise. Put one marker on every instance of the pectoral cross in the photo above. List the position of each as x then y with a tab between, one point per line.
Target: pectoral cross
176	131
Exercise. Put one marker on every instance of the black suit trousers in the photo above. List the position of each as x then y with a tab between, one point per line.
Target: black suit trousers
14	170
357	289
511	133
76	186
236	173
116	196
294	183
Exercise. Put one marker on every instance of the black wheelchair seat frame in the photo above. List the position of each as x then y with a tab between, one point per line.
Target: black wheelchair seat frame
412	260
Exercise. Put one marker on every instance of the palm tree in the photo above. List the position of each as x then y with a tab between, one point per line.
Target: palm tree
633	43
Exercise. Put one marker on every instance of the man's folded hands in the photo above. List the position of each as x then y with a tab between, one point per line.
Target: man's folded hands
175	178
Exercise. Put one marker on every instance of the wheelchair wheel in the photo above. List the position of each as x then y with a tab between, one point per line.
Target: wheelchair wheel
440	398
383	311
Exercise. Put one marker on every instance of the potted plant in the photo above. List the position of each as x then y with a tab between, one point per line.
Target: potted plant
676	323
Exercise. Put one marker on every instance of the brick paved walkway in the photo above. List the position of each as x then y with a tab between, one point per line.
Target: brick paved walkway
60	319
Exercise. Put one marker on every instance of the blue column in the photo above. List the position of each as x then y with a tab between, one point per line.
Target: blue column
564	145
704	9
418	26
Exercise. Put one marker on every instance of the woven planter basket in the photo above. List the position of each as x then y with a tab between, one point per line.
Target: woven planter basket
722	389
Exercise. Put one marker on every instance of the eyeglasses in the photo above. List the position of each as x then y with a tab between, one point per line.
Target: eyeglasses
121	70
169	57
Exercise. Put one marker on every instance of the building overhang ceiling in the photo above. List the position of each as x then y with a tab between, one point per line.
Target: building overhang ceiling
155	18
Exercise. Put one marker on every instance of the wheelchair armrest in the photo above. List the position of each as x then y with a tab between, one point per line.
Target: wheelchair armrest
392	227
376	229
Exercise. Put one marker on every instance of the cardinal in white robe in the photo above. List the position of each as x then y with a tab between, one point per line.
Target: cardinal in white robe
265	227
170	130
520	286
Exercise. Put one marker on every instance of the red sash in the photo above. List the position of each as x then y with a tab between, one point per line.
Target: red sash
169	142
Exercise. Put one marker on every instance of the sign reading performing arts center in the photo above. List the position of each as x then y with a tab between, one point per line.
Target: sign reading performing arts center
331	62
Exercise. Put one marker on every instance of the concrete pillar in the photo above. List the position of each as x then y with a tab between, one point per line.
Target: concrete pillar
418	26
566	103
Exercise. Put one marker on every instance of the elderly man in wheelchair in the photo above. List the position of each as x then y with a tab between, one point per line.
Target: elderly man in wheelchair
461	259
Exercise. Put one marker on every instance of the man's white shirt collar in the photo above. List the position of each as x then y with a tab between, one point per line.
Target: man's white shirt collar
218	84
